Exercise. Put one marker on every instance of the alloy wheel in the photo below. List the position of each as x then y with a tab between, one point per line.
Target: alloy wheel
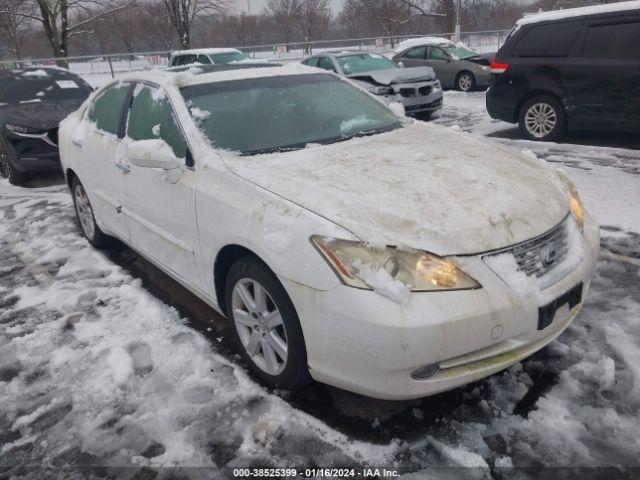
465	82
540	119
84	211
260	326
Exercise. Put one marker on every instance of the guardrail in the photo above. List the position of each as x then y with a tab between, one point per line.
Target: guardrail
97	68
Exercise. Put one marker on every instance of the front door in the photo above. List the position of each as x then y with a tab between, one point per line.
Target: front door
415	57
442	65
97	146
159	204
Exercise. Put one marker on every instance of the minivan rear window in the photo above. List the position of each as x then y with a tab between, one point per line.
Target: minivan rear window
612	41
551	40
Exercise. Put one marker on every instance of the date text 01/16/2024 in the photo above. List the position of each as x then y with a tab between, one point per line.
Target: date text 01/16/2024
315	473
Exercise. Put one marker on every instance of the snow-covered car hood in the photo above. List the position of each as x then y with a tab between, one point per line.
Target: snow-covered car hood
391	76
420	186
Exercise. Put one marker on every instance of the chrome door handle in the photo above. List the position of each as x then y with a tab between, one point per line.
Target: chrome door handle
123	167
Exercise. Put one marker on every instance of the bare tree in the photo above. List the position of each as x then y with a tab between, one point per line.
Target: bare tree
313	18
59	27
13	24
283	15
182	14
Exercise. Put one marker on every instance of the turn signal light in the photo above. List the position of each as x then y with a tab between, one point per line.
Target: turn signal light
497	67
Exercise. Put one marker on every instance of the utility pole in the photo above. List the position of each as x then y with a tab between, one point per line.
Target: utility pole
456	34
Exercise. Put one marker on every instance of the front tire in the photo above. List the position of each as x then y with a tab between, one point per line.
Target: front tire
86	218
265	325
7	170
466	81
542	118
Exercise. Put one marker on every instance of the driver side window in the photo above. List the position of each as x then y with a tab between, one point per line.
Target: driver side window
326	63
436	53
151	116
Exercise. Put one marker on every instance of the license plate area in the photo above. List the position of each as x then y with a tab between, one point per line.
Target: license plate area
546	313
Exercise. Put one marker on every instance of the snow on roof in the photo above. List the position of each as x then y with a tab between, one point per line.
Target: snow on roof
418	42
579	12
205	51
196	76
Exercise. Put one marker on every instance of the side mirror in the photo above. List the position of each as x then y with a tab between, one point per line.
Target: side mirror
153	153
400	64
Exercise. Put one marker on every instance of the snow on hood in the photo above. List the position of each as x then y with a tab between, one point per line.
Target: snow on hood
421	186
40	115
397	75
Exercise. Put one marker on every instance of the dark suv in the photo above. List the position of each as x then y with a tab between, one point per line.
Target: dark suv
573	69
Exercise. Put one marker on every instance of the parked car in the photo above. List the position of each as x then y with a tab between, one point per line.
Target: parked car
456	65
415	88
32	103
206	56
574	69
379	254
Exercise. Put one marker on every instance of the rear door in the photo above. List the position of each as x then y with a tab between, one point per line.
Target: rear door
606	75
101	169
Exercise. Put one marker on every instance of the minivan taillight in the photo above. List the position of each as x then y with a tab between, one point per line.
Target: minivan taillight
497	67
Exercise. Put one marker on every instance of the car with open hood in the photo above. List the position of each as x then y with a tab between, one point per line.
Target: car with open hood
344	243
417	89
33	101
456	65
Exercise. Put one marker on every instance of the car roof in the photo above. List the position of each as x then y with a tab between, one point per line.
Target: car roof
579	12
205	51
199	74
422	41
37	72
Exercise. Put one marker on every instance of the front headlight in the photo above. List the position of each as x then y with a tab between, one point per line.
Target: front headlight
437	85
575	204
381	90
21	129
356	262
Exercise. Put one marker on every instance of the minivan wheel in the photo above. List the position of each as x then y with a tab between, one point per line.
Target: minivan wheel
542	118
86	219
7	170
266	326
466	82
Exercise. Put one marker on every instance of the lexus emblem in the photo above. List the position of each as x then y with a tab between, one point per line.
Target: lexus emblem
548	255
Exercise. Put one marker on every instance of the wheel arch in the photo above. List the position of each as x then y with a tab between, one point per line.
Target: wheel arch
226	257
538	93
70	175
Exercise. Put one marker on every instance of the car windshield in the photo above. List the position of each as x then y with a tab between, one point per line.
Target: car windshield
281	113
228	57
458	52
32	88
364	62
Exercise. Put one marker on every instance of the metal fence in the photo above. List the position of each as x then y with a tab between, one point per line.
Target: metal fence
97	68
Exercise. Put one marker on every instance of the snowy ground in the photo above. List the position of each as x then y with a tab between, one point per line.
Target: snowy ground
110	369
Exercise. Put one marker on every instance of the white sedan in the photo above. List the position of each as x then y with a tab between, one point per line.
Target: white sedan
385	256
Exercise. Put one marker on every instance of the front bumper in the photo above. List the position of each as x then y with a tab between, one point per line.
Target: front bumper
34	153
417	103
365	343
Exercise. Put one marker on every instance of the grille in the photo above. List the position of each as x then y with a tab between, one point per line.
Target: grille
424	90
408	92
538	256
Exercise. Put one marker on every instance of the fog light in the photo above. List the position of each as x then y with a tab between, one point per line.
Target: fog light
425	372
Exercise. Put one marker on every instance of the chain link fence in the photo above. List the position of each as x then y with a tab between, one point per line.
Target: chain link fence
98	68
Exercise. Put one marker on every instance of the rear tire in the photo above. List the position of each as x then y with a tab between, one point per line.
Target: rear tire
7	170
466	81
542	118
265	325
86	218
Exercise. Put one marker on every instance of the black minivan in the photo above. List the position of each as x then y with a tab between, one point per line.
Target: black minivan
576	69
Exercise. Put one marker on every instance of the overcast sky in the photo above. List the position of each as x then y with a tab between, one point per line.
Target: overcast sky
258	5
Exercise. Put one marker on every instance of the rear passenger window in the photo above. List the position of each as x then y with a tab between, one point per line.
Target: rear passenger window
107	108
204	60
152	116
417	53
553	40
613	41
